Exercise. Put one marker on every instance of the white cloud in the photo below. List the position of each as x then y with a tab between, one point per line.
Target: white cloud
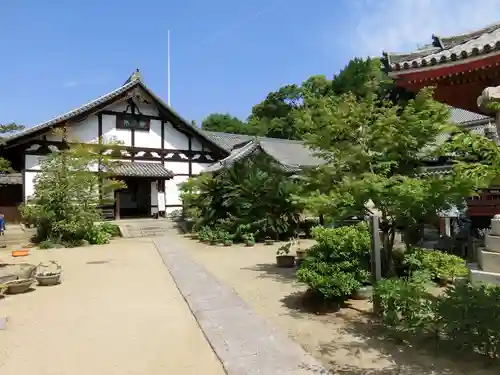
402	25
70	84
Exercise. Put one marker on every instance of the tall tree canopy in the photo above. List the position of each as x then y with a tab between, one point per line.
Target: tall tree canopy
7	129
224	122
374	151
274	116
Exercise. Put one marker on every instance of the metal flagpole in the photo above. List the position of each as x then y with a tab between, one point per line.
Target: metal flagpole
168	68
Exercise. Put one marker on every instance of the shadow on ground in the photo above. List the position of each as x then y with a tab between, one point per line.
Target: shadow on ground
355	343
270	270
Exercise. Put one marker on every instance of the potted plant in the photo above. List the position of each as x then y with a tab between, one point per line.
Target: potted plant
283	257
364	292
19	286
205	235
216	238
268	241
227	239
3	289
48	274
249	239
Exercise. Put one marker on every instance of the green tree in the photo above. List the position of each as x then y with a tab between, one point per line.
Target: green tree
273	117
252	196
363	77
69	189
374	150
7	129
224	122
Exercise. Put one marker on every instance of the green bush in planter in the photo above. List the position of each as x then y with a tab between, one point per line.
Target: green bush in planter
339	263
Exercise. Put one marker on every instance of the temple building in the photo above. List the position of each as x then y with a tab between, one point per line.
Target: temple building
465	71
159	150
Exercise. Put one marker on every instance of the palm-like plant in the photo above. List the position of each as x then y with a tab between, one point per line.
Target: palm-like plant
251	197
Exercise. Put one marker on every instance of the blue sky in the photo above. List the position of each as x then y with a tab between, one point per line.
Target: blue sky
226	55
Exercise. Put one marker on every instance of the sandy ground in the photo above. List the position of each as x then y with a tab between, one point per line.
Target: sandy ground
117	312
345	342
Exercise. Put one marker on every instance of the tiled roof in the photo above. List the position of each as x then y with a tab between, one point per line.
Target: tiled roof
444	50
11	179
290	155
228	140
133	81
135	169
462	116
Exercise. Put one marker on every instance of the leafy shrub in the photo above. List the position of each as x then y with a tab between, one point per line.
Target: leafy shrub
112	229
339	263
465	316
47	244
439	264
470	318
97	235
68	192
253	196
405	305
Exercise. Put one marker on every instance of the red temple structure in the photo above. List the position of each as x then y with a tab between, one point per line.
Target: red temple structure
465	71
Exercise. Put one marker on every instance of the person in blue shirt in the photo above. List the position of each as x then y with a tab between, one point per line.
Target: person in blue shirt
2	228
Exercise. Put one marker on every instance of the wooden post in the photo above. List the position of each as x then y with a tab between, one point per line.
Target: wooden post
117	205
375	258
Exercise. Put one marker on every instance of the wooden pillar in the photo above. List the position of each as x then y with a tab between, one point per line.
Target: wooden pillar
117	205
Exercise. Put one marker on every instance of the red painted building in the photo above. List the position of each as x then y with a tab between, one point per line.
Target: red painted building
460	67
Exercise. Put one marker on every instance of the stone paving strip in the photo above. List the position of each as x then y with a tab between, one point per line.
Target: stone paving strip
242	340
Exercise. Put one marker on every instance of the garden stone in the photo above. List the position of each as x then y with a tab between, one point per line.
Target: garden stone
3	323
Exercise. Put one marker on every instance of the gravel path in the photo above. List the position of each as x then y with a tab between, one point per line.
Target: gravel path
117	312
344	342
244	342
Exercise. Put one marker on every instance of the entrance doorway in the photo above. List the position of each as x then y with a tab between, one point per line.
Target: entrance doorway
135	199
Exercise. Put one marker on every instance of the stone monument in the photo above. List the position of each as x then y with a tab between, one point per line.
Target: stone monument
488	268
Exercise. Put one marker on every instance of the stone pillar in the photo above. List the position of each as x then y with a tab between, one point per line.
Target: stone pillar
489	98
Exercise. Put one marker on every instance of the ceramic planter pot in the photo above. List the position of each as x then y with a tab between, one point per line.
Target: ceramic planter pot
363	293
442	281
228	243
20	253
19	286
48	280
285	261
250	243
269	242
301	254
461	280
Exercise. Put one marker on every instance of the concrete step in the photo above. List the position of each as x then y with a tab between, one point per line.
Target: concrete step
146	228
489	261
478	276
492	243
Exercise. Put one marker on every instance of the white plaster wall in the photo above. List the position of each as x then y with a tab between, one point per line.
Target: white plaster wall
29	187
154	197
175	139
177	167
110	132
33	161
145	109
172	193
197	168
151	138
86	131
